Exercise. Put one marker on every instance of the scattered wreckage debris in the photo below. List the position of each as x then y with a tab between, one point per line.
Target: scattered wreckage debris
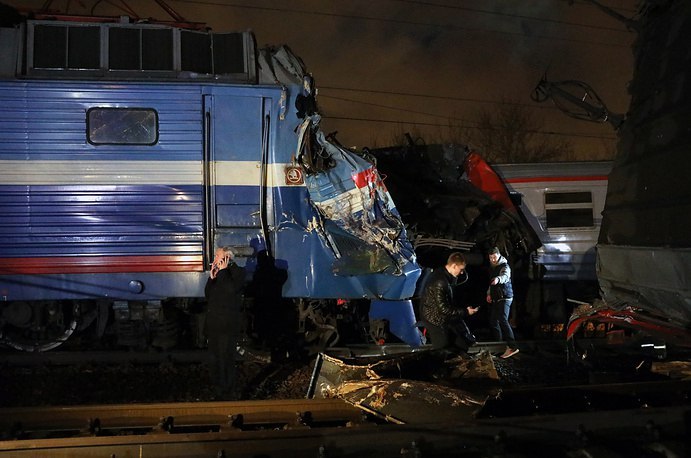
451	199
625	316
680	370
463	397
418	387
429	386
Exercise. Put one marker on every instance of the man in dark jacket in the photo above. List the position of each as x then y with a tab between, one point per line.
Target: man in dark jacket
443	320
500	297
223	293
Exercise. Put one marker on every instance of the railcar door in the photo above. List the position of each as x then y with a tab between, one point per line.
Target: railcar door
236	154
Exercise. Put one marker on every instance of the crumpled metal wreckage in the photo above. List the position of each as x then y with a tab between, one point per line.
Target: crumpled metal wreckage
414	388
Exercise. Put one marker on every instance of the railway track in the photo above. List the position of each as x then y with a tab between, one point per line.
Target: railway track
185	429
323	428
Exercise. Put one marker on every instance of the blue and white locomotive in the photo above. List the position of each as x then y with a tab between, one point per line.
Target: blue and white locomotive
129	151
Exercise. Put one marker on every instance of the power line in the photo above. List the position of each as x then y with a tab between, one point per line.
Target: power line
467	126
440	97
461	126
627	10
394	21
513	15
389	107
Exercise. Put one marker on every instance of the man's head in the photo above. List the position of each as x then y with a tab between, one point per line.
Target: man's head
455	265
494	255
223	252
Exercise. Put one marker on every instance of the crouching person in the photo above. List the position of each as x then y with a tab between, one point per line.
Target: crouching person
444	321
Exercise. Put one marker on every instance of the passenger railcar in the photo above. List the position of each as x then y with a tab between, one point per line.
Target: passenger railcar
129	151
563	202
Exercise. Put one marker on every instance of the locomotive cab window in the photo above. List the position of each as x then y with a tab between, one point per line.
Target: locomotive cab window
569	209
122	126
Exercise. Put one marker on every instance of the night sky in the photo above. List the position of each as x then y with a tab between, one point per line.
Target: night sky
419	66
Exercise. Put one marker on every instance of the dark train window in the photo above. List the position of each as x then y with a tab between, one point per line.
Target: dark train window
568	197
573	217
516	198
195	52
123	47
59	47
157	49
122	126
229	53
140	49
569	209
84	48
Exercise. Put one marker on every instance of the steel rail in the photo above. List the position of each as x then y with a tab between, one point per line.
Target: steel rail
166	417
563	435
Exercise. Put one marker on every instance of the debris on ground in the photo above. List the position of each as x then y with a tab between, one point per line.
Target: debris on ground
433	388
680	370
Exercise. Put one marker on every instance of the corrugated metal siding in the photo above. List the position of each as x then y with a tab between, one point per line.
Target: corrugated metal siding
114	200
47	121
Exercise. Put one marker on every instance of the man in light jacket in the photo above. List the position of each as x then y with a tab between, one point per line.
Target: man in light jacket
500	297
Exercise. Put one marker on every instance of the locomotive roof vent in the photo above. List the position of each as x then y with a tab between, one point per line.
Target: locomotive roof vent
122	50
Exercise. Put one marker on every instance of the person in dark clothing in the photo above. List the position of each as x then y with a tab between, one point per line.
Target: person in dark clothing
223	293
500	297
443	320
271	314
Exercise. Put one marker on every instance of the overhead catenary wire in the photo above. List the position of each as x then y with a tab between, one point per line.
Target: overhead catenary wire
451	27
449	118
462	126
433	96
389	107
512	15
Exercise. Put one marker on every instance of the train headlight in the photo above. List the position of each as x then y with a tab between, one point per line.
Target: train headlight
136	286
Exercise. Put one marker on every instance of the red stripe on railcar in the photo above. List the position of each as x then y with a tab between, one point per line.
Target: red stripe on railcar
100	264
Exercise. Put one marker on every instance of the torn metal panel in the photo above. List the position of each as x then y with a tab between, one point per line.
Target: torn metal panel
410	402
627	317
357	219
279	65
653	280
406	388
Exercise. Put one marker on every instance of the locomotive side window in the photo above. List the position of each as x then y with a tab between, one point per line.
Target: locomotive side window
569	209
229	50
64	47
137	49
195	50
122	126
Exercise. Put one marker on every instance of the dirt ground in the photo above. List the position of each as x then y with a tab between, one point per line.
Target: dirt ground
146	383
258	379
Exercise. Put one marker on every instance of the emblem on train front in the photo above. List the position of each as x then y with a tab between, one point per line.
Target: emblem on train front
294	176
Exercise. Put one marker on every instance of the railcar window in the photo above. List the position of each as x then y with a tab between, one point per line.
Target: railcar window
61	47
569	209
229	52
568	197
122	126
122	46
140	49
195	52
157	49
516	198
